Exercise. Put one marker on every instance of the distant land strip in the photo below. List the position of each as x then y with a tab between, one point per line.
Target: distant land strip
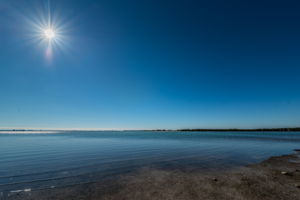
295	129
253	130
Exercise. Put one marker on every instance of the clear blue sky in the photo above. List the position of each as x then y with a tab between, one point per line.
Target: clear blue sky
138	64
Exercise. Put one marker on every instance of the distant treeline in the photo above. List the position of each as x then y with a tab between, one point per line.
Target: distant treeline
259	129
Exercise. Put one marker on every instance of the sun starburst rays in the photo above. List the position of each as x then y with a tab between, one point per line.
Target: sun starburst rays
47	30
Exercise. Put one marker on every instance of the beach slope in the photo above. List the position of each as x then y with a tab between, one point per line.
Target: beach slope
275	178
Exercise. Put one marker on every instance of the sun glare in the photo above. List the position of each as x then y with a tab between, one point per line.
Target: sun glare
48	29
49	34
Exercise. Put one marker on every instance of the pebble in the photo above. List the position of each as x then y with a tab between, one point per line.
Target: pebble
286	173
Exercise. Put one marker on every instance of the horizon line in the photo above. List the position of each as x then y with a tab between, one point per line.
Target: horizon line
134	129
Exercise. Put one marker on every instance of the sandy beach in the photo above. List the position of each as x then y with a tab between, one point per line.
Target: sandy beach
275	178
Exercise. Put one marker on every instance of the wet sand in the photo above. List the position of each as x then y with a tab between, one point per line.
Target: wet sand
275	178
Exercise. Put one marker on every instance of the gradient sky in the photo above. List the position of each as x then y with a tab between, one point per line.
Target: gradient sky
134	64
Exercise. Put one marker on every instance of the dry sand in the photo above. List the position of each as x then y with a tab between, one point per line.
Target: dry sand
277	178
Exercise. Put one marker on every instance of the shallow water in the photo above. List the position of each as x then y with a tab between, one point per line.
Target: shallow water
38	161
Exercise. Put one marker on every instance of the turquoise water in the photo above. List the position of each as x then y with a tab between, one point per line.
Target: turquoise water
39	161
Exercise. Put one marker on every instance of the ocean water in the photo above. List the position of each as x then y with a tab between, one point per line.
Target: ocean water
56	159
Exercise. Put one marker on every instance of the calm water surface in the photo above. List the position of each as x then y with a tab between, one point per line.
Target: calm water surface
40	161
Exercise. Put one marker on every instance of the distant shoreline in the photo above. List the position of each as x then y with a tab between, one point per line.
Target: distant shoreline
27	132
248	130
296	129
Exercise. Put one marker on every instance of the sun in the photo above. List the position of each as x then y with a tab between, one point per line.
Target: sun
48	29
49	34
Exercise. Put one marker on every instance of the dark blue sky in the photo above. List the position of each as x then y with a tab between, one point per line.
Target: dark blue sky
152	64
